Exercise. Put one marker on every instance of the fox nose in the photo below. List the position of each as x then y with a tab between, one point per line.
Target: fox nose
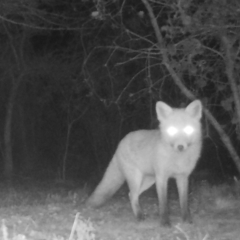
180	148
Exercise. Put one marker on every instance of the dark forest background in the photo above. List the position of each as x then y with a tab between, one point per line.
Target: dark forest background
77	75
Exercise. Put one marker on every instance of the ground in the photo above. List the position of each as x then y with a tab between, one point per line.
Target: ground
49	211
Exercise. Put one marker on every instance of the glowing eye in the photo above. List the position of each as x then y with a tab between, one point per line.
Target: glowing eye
172	131
188	130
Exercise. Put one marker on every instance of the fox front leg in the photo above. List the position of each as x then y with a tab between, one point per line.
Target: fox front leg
182	185
163	205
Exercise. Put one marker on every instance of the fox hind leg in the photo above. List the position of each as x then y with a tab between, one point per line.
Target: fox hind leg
134	199
134	184
138	185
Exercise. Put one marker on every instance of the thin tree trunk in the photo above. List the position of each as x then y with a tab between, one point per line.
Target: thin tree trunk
8	159
69	129
26	143
65	155
16	79
230	57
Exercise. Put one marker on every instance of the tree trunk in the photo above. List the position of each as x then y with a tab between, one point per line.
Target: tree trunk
27	143
8	158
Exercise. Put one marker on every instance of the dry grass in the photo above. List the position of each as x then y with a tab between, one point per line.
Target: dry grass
50	213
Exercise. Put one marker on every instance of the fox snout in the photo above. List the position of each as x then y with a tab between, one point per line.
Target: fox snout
181	147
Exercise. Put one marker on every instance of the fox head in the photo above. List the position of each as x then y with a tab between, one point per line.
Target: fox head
180	127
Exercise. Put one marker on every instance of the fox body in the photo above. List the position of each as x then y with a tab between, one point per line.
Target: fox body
146	157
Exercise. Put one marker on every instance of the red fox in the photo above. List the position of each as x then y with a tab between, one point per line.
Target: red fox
145	157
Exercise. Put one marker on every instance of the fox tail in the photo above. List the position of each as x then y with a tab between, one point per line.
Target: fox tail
111	182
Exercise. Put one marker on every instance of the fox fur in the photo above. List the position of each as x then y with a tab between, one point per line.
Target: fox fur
145	157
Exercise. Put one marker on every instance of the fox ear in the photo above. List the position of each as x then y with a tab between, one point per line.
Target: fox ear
163	110
194	109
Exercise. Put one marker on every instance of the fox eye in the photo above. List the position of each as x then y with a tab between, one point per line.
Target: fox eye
188	130
172	131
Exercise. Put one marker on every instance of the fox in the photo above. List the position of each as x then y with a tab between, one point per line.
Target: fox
147	157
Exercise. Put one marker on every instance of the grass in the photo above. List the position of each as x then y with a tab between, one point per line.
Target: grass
48	211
